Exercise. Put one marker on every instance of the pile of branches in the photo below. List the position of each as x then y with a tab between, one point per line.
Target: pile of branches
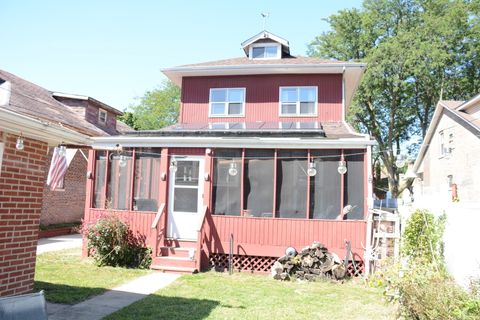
311	263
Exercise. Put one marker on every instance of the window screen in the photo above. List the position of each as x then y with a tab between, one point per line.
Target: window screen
292	184
258	185
120	181
354	194
226	187
325	186
147	179
100	171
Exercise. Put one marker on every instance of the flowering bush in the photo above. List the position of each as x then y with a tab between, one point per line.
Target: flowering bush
112	243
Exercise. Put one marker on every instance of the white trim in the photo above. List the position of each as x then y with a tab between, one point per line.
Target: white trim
297	113
100	112
265	45
2	147
226	115
343	96
15	123
469	103
264	35
110	143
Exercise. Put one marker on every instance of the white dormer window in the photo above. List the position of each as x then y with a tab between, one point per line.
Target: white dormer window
102	116
227	102
265	51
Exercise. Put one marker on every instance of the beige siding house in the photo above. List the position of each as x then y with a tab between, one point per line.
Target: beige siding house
448	182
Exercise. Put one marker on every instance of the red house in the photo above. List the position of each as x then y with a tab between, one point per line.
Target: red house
261	159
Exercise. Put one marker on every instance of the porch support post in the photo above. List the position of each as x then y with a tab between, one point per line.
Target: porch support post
207	187
132	181
242	180
163	198
103	197
274	182
368	181
309	158
342	186
89	193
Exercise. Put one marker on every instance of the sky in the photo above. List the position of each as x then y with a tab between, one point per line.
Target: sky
114	51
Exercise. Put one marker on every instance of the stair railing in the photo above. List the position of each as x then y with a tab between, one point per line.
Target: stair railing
201	233
158	221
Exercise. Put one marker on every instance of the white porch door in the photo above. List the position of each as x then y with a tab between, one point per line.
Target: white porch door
185	197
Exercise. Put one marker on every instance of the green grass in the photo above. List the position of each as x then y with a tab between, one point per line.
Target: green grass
244	296
67	278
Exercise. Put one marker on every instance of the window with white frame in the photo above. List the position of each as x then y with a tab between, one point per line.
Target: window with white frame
298	101
443	148
226	102
265	51
102	116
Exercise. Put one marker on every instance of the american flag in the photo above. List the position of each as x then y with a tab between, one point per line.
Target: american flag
58	167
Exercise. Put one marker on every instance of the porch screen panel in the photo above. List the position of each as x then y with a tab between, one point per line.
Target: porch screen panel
120	182
325	186
354	194
258	183
226	187
147	179
292	184
100	171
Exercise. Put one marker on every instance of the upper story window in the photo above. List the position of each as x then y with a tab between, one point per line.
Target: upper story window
102	116
227	102
265	51
298	101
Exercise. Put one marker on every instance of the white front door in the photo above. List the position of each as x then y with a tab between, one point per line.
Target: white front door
185	196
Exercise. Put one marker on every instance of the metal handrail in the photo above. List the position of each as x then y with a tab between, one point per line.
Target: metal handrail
159	214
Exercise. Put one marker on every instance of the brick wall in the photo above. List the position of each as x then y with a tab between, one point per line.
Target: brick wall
21	190
66	205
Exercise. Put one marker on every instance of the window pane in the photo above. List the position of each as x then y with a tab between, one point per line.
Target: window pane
187	173
147	179
307	94
292	184
218	108
258	186
235	108
325	186
235	95
289	108
120	182
271	52
307	107
100	171
289	95
185	199
354	184
226	187
258	52
218	95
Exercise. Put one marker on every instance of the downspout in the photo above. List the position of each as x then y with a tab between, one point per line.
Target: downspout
343	94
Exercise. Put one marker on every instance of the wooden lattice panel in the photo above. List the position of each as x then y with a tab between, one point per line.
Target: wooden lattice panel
219	262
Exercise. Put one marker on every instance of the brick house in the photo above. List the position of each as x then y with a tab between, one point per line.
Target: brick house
31	122
67	202
448	182
262	159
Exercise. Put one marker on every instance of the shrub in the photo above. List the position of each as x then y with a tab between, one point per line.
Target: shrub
112	243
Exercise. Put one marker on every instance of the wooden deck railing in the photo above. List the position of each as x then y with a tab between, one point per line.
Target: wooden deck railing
159	233
201	235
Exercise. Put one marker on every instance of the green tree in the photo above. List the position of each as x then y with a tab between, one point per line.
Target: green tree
129	119
417	52
156	109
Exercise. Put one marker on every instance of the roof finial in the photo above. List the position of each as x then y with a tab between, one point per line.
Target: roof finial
265	15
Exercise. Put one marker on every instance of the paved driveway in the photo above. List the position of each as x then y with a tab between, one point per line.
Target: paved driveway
59	243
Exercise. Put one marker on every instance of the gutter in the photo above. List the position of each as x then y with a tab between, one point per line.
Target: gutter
39	130
111	143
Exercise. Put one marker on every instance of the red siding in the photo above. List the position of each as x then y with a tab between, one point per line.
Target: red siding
270	237
262	96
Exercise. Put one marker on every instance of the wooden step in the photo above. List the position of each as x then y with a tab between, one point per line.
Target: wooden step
175	261
180	243
180	252
170	269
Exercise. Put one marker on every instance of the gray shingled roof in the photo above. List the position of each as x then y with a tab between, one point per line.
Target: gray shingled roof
246	61
36	102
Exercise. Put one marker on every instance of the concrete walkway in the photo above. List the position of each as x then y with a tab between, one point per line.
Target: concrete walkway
59	243
113	300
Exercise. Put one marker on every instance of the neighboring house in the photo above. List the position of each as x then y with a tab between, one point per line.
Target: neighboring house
67	202
448	181
29	125
261	159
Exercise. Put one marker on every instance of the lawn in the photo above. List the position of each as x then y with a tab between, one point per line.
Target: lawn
213	295
67	278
